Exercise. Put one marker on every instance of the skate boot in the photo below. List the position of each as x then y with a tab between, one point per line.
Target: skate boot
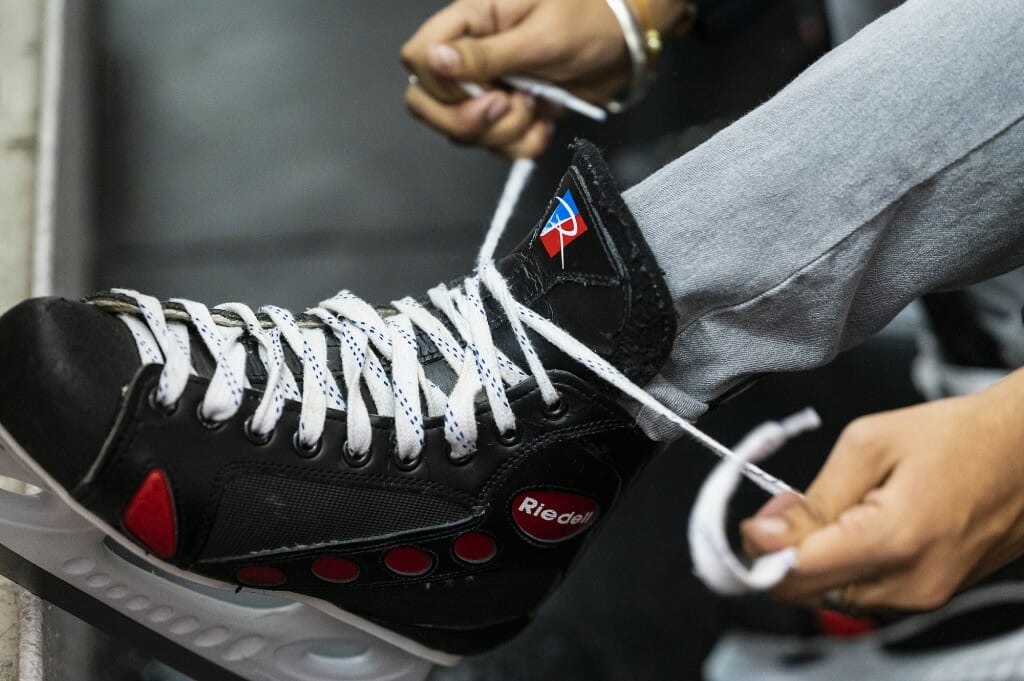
424	472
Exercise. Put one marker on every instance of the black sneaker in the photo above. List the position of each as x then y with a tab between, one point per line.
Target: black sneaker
346	458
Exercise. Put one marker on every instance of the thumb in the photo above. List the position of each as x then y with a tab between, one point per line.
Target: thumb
484	59
858	463
839	553
782	522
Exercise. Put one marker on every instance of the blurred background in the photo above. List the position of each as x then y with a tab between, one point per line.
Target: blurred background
260	151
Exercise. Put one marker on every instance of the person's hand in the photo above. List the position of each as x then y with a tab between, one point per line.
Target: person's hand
576	44
911	506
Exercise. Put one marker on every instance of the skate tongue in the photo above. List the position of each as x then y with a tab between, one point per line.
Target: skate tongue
586	267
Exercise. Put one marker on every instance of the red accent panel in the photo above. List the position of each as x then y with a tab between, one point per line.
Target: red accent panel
150	515
475	547
837	624
335	569
260	575
565	233
408	562
552	516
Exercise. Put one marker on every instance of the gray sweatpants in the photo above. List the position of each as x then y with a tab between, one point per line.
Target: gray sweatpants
892	167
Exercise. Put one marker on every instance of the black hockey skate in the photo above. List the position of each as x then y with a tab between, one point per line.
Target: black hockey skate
424	472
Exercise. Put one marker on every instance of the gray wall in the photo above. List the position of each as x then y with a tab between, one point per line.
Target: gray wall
260	150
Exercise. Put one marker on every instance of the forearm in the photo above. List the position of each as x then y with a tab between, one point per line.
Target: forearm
892	167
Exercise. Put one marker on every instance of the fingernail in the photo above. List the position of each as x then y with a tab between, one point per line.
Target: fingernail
497	108
778	505
769	526
531	102
445	59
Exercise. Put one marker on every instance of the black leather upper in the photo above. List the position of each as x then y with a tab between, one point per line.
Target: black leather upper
300	508
62	367
239	503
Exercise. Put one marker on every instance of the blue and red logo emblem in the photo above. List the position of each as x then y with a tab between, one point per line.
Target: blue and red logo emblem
563	227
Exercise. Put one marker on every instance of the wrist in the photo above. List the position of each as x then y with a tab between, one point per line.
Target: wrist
1004	402
643	22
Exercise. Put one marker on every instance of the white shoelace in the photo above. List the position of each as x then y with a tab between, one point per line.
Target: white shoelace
367	340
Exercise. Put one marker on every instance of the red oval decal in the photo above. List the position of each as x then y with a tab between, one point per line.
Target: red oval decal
550	516
335	569
260	575
408	561
475	547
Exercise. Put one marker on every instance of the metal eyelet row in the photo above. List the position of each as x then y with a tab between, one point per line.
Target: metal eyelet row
510	438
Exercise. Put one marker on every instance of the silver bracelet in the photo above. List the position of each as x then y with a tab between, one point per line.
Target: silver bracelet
640	74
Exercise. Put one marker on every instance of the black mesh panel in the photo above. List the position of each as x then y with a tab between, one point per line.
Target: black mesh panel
262	512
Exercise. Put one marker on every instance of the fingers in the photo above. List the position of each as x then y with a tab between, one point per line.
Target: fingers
513	125
830	556
533	143
450	23
855	548
507	123
857	464
912	504
463	122
770	529
907	591
470	41
486	59
848	530
875	546
480	41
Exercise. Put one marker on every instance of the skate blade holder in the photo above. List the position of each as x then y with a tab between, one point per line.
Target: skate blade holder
205	630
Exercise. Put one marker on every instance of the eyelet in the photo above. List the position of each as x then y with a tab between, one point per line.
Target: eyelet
460	462
207	423
254	437
304	450
353	459
557	410
162	409
409	465
451	458
509	438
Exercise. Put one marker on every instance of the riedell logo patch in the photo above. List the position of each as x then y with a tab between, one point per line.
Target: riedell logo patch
563	227
551	516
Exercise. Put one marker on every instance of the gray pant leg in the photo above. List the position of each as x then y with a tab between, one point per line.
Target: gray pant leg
892	167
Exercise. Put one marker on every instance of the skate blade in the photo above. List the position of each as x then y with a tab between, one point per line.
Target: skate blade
54	547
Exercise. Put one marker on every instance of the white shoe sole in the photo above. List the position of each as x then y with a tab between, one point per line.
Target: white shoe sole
58	549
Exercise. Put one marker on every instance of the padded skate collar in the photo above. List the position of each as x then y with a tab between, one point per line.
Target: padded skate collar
586	266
